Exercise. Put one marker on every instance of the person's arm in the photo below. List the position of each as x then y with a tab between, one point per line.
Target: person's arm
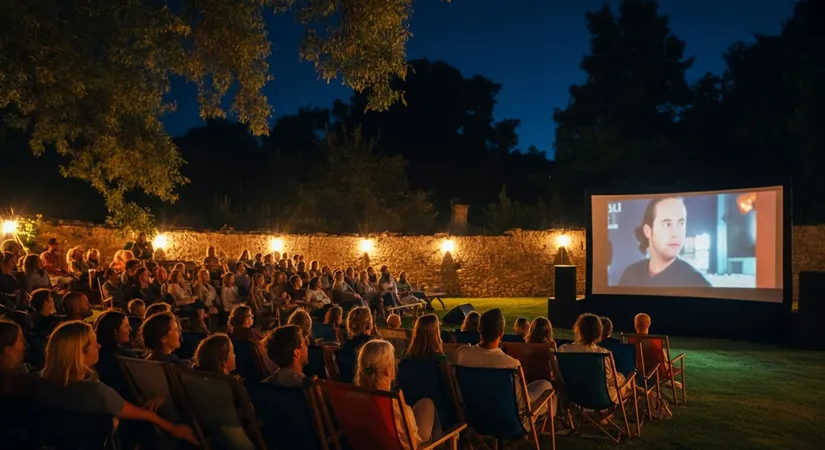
180	431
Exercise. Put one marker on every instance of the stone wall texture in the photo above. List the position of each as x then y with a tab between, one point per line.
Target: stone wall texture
517	264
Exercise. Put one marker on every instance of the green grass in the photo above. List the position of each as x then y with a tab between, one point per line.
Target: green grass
740	395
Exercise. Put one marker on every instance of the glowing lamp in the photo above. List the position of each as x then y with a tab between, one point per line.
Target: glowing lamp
563	240
160	241
366	245
9	226
448	245
276	245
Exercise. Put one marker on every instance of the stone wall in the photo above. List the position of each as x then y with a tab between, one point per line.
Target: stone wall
518	264
514	265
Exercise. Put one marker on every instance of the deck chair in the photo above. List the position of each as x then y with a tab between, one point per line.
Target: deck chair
290	418
398	337
647	384
584	382
345	363
148	380
656	351
221	407
488	397
512	338
560	342
324	331
321	362
189	341
467	337
59	430
534	359
433	379
366	418
249	360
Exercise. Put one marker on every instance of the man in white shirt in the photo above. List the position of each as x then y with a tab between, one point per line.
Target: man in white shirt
487	354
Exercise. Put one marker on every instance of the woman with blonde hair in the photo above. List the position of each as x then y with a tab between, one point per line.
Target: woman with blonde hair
359	328
303	320
376	370
540	332
521	327
426	339
71	384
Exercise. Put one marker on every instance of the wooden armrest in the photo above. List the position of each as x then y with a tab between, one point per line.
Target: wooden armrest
630	379
452	433
652	371
542	400
680	356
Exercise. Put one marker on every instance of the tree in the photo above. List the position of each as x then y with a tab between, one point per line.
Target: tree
620	125
89	79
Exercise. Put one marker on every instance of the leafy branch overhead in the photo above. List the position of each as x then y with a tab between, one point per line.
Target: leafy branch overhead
90	79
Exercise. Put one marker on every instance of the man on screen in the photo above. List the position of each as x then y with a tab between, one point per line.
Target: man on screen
661	236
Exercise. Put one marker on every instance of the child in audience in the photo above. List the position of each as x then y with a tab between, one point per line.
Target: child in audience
137	308
426	339
540	332
394	321
161	336
376	370
287	347
521	327
71	384
158	308
471	321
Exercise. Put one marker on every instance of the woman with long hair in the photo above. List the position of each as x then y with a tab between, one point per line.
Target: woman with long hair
359	328
540	332
376	370
71	384
303	320
521	327
335	318
34	276
215	354
588	331
239	325
471	322
161	336
426	340
114	334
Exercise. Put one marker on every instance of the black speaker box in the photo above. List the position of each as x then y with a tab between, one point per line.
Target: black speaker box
562	308
456	315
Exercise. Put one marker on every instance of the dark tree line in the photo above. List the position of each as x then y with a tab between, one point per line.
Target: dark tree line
636	121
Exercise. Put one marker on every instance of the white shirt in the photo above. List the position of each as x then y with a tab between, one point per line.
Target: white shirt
229	297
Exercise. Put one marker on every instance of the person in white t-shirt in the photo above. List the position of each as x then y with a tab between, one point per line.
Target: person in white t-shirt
491	326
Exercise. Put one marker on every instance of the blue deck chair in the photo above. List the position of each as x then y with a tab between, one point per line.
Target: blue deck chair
430	378
584	382
490	407
320	357
189	342
290	418
323	331
249	363
345	362
647	385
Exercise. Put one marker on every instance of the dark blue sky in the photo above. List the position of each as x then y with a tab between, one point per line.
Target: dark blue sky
532	47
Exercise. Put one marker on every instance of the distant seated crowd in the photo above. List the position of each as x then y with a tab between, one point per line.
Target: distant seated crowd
64	362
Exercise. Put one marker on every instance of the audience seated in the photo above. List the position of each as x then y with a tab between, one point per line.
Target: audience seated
394	321
161	336
471	321
44	315
488	354
540	332
287	347
137	308
239	325
426	339
607	332
652	350
359	328
34	277
521	327
113	333
76	306
335	318
111	290
302	320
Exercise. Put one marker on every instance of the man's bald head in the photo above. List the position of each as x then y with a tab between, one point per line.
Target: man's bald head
641	323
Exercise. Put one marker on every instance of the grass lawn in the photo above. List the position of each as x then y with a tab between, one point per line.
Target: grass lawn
740	395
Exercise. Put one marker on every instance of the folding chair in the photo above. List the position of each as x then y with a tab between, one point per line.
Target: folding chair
398	337
290	418
345	363
366	418
59	430
647	384
490	406
221	407
534	359
325	332
321	362
512	338
586	388
249	360
189	341
433	379
656	350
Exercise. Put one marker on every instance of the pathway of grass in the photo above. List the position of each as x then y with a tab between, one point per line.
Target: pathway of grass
740	395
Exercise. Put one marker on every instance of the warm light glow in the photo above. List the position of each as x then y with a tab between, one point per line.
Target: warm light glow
746	202
276	245
563	240
448	245
366	245
9	226
160	241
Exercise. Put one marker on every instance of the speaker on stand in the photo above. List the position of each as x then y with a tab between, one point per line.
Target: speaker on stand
456	315
562	308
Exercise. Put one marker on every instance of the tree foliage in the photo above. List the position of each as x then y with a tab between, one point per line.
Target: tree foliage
89	79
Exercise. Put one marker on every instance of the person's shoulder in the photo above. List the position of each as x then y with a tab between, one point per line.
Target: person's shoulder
696	276
634	271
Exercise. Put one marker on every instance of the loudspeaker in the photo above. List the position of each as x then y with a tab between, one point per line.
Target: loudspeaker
562	308
456	315
812	294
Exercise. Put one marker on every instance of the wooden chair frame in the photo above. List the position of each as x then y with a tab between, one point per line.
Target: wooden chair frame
672	372
604	415
450	435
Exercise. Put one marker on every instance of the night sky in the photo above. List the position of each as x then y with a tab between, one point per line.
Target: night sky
532	47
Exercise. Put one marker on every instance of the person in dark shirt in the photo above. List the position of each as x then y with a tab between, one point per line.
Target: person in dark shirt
662	235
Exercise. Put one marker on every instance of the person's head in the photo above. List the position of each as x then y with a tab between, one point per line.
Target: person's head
588	329
161	275
363	276
210	251
326	269
359	321
286	346
215	354
470	321
240	317
157	308
350	271
92	254
394	321
12	345
385	269
268	259
641	323
521	327
127	255
111	275
491	326
302	266
370	271
296	282
315	284
334	316
376	365
142	276
240	269
112	329
176	276
402	277
137	308
228	279
160	333
141	238
426	337
76	305
71	352
541	331
244	255
32	264
53	244
8	262
607	327
42	302
313	265
11	246
259	257
662	232
258	279
280	278
132	266
203	276
303	320
74	254
338	276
